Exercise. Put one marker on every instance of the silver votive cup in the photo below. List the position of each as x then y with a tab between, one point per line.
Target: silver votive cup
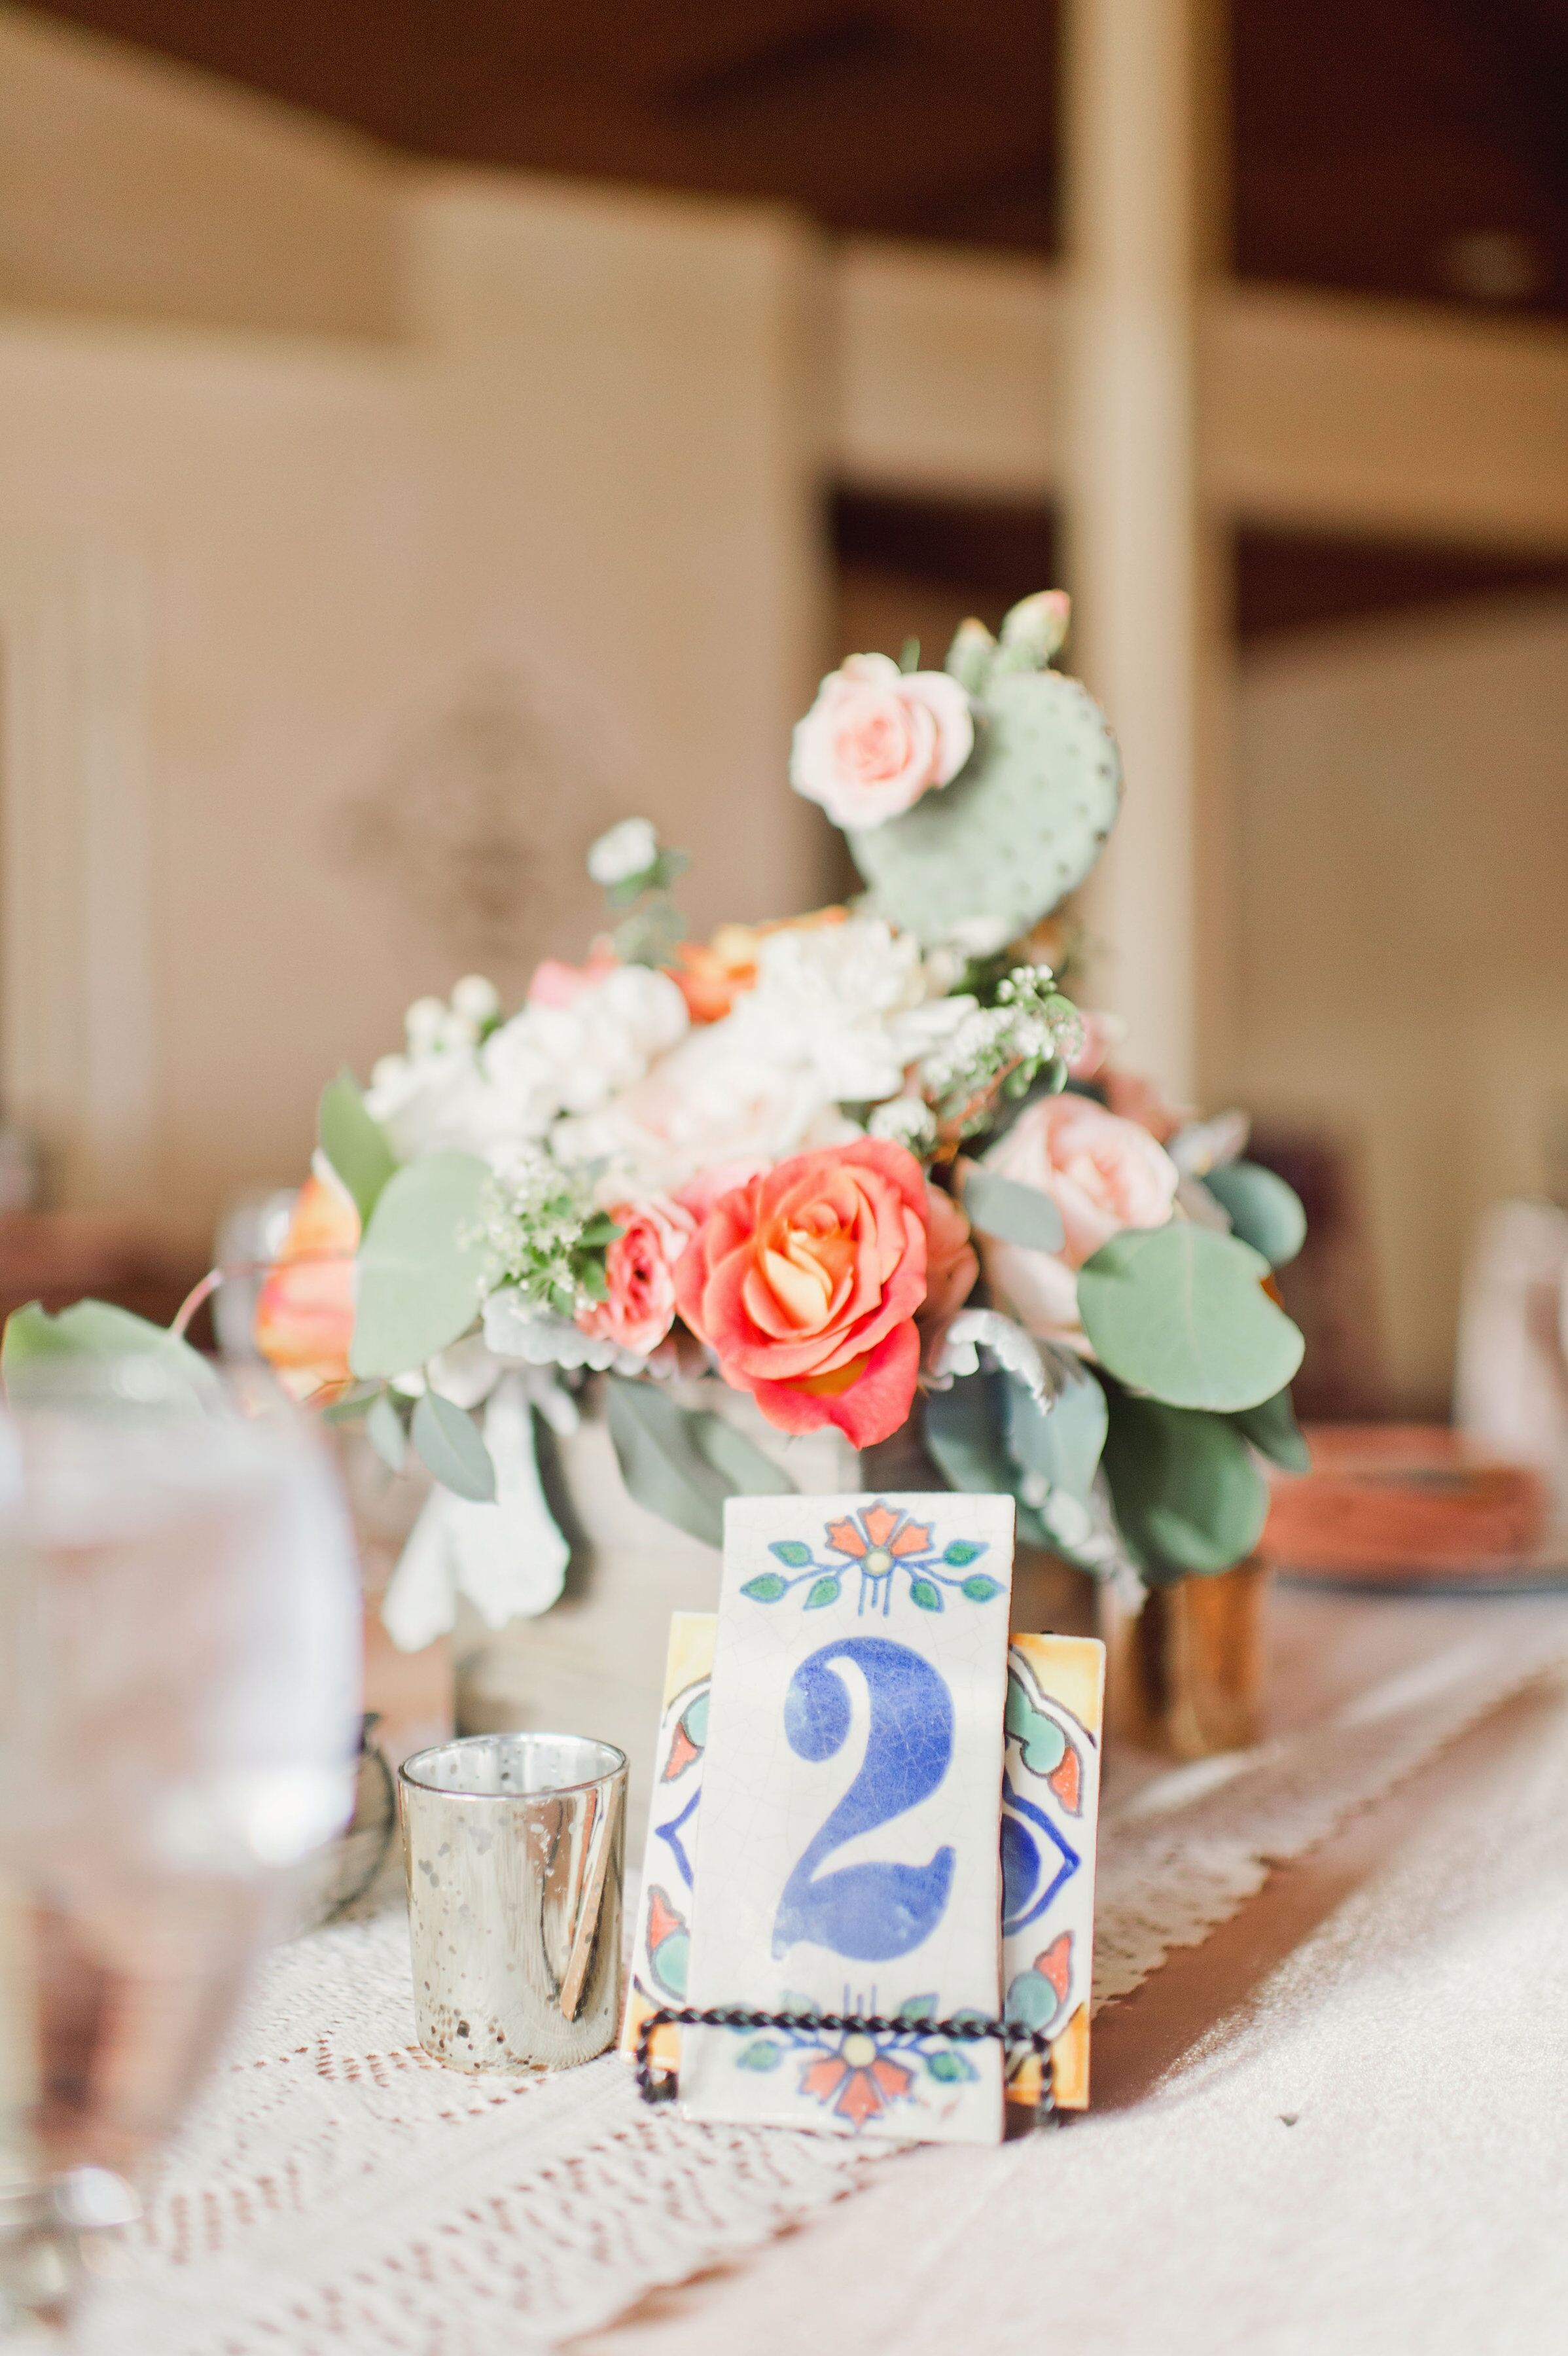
512	1846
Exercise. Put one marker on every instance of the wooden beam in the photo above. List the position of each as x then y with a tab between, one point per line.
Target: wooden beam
948	369
1405	420
1317	410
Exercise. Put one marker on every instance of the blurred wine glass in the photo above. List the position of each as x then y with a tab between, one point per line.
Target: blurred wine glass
178	1725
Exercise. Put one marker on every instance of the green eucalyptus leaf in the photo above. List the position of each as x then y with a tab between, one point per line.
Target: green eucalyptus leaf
820	1592
766	1588
351	1405
1180	1311
387	1436
792	1551
1188	1492
354	1143
918	2009
738	1461
659	1445
764	2054
1060	1439
421	1265
925	1596
1014	1213
38	1351
960	1552
1274	1432
448	1440
1264	1212
965	1438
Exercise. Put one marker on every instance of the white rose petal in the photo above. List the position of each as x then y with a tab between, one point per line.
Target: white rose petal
514	1329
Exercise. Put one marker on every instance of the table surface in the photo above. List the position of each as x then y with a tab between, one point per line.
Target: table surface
1337	2125
1330	2123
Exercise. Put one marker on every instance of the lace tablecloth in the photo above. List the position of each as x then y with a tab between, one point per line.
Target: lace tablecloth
337	2194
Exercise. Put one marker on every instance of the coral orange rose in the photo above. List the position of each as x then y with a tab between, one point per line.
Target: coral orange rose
640	1270
805	1283
951	1267
304	1310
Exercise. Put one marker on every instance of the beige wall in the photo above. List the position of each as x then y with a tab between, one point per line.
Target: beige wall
132	186
326	654
1404	927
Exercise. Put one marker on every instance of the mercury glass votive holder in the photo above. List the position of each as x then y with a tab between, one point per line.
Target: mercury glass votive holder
513	1850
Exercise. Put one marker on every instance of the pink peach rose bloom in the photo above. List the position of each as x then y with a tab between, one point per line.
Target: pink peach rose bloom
877	738
1133	1098
1103	1173
805	1283
639	1269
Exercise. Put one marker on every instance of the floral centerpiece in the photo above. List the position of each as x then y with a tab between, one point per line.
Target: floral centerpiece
860	1165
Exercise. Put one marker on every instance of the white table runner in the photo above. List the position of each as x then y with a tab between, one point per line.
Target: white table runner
336	2194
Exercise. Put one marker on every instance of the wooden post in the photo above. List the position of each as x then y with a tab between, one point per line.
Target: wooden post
1142	197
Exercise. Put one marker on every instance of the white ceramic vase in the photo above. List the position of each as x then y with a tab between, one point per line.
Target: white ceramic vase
594	1664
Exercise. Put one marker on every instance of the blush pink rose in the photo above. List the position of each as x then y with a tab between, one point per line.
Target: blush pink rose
639	1269
1133	1098
877	738
1103	1173
1101	1033
805	1283
557	984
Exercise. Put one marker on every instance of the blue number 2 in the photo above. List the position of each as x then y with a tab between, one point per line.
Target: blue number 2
868	1912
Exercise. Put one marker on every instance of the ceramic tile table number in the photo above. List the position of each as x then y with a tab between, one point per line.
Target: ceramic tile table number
846	1855
1050	1796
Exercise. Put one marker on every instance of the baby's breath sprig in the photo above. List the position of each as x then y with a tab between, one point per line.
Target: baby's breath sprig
545	1234
1001	1049
632	866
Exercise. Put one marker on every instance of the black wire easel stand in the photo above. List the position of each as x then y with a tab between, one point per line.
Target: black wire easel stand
964	2028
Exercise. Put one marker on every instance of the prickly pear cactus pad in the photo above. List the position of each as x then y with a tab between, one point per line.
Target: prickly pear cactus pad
1025	820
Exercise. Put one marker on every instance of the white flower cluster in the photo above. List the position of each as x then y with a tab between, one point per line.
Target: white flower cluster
907	1121
850	1003
471	1090
838	1014
846	1023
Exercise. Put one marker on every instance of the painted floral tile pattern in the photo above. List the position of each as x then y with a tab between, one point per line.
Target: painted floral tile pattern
853	1759
1050	1803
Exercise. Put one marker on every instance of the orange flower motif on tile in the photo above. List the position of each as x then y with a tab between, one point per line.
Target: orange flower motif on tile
860	2072
1066	1780
858	2079
880	1540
